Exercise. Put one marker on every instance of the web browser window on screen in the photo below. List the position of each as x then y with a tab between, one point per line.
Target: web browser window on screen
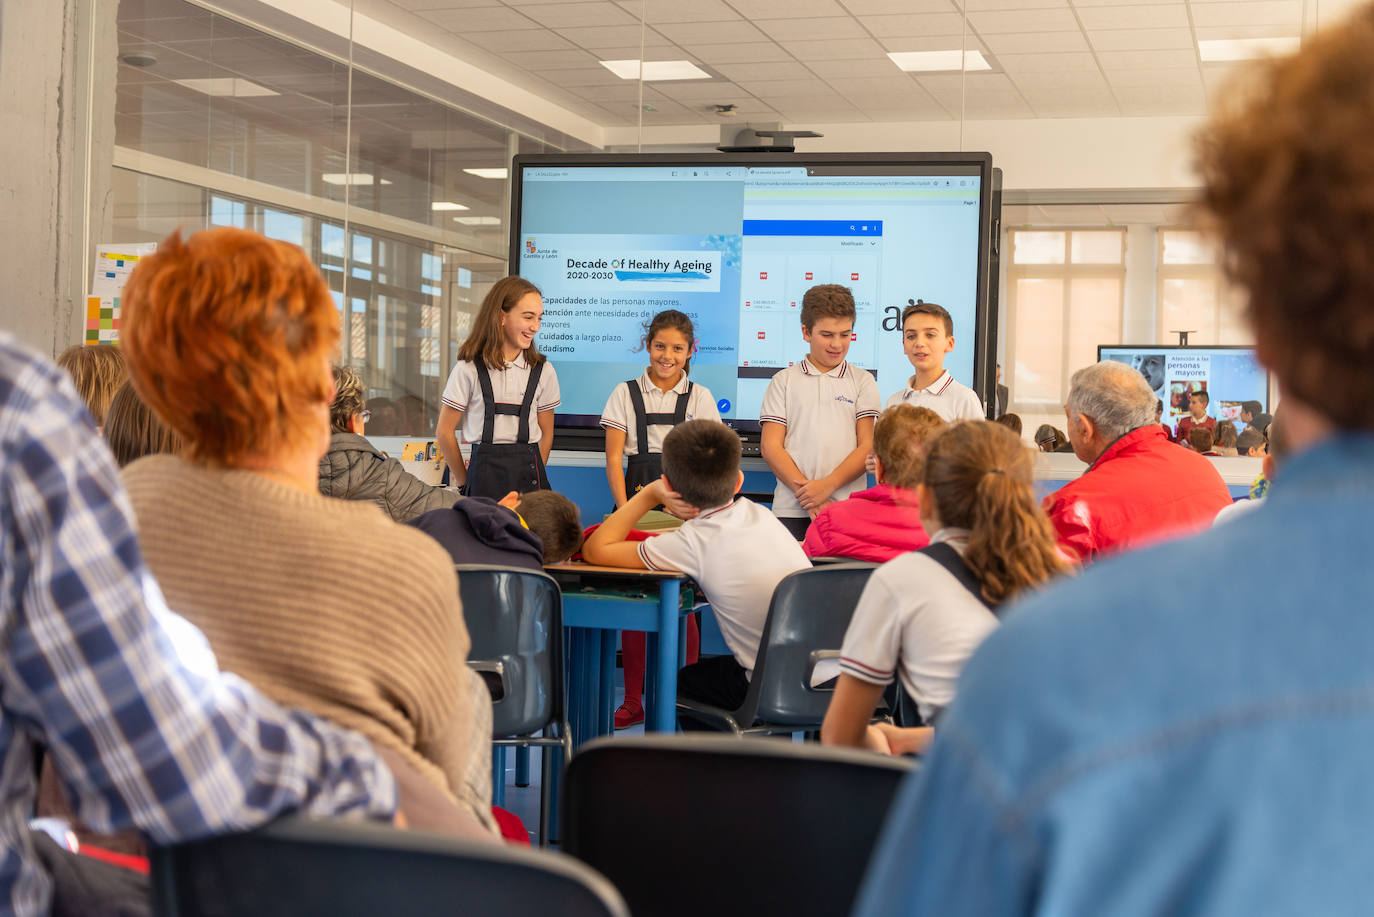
736	247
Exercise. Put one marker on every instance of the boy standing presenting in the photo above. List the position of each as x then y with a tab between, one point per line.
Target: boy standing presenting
733	548
1197	416
818	414
927	335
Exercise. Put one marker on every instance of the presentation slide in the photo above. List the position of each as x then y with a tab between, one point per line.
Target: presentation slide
736	248
1230	376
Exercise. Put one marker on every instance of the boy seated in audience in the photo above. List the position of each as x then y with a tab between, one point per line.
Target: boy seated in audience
1200	441
879	523
530	530
1251	442
734	549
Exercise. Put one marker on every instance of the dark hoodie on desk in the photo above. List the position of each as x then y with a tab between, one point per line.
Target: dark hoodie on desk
480	531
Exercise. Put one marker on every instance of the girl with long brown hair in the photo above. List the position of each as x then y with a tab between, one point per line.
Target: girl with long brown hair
501	394
923	614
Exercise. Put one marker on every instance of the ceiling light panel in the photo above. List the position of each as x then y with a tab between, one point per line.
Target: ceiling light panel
1234	49
937	61
227	86
488	173
656	70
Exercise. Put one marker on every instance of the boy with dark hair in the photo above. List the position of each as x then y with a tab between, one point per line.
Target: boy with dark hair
1197	416
818	414
529	530
734	549
1251	443
1200	440
927	335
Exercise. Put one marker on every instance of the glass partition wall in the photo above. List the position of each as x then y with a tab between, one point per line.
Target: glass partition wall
402	200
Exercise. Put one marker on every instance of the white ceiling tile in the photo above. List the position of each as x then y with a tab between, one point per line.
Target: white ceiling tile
980	5
786	9
1037	43
1264	12
1082	4
1180	76
914	24
803	29
749	52
551	60
524	40
931	43
654	50
715	33
573	15
1147	60
997	107
1048	63
1003	21
1206	33
442	4
626	91
1141	39
608	36
881	7
583	76
1171	16
864	90
953	83
659	12
483	19
827	69
928	111
781	70
840	49
768	90
1040	82
713	90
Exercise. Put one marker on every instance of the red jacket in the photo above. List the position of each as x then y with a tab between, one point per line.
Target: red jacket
1143	489
1187	423
875	524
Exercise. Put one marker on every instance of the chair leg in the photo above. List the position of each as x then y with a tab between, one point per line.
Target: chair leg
522	766
545	794
498	775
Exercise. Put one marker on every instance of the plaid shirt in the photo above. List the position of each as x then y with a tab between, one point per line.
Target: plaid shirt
126	696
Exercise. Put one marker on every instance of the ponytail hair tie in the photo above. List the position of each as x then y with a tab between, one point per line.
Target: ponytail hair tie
994	471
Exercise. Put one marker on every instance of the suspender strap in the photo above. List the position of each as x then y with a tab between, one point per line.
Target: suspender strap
490	409
946	556
488	400
643	420
526	406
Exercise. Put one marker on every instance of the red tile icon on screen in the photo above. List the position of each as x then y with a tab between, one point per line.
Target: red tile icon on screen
794	304
809	275
763	275
747	304
854	276
853	335
761	336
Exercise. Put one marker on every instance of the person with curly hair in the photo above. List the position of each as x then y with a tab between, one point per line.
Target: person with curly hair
1113	750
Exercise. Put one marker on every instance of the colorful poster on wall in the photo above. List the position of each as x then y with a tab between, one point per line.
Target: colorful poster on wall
113	263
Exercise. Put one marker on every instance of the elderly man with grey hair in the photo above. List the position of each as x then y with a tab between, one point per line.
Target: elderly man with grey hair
1139	487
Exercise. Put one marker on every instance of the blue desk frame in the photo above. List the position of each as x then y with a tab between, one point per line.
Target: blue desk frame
594	621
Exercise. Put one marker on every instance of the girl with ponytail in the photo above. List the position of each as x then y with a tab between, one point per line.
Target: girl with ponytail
924	613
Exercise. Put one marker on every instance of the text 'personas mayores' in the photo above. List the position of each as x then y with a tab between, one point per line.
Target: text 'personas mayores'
641	264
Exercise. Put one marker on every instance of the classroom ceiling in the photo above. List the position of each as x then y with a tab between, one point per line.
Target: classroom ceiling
825	61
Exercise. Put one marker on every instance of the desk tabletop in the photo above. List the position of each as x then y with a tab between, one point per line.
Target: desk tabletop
577	566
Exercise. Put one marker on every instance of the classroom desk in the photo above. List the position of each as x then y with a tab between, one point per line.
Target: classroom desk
595	618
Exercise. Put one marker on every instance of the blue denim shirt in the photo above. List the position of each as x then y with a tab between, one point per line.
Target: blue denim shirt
1116	750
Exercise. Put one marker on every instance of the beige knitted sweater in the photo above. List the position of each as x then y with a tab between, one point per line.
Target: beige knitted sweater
326	605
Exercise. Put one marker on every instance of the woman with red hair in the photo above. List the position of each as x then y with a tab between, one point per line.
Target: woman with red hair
323	604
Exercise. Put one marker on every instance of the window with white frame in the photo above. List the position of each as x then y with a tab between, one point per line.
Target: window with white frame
1065	293
1194	295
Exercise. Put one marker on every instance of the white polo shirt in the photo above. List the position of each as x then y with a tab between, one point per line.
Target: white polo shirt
620	413
737	553
946	397
916	620
464	393
820	411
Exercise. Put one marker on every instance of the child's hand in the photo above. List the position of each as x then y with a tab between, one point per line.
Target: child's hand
672	501
813	494
871	463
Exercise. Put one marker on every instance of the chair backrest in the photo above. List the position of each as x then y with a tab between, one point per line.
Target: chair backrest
300	866
807	620
515	619
703	824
